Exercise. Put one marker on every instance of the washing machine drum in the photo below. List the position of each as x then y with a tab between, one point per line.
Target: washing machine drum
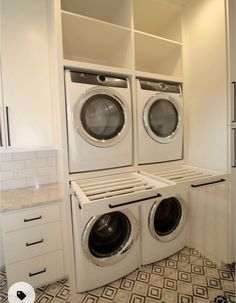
100	117
167	218
161	117
109	237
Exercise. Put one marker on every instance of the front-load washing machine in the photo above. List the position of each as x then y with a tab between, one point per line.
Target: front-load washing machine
164	224
160	121
99	122
106	226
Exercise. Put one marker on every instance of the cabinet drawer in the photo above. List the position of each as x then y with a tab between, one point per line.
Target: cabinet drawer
30	217
31	242
37	271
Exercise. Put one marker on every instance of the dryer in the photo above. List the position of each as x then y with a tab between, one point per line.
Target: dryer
160	121
106	226
99	122
164	224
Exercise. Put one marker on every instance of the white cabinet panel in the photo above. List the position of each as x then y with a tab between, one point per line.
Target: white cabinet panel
25	72
27	243
37	271
232	37
209	221
30	217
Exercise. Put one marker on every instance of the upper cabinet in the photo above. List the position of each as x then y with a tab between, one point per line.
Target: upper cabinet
26	107
138	36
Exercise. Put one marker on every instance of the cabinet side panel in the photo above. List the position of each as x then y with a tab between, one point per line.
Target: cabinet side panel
205	83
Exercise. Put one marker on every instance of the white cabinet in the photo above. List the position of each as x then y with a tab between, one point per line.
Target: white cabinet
33	247
209	228
25	74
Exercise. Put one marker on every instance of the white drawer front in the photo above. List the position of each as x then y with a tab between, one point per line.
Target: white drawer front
31	242
30	217
37	271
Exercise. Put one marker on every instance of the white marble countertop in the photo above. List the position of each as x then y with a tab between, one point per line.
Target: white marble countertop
29	197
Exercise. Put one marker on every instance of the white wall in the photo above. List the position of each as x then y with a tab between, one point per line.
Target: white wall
205	83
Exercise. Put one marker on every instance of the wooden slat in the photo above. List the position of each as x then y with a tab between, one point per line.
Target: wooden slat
104	182
114	187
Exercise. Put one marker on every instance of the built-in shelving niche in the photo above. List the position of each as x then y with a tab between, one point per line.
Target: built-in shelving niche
112	11
157	55
93	41
158	18
157	32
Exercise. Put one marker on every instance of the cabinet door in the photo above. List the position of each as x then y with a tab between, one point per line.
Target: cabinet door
25	72
210	221
232	38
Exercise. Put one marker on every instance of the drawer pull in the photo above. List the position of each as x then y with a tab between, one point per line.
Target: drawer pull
207	183
33	219
34	243
37	273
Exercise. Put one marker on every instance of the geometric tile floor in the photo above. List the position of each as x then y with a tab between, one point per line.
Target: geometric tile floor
185	277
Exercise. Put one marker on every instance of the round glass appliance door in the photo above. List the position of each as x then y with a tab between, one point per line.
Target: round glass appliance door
167	218
100	118
108	237
162	118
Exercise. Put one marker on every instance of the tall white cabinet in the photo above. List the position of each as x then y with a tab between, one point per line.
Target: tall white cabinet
26	107
232	119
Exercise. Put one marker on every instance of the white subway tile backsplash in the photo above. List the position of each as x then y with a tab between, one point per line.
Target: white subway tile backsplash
46	171
5	157
6	175
46	153
52	161
53	178
25	173
11	165
38	181
36	163
28	168
15	183
24	155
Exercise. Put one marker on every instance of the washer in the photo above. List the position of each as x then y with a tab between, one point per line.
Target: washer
99	124
164	224
106	226
160	121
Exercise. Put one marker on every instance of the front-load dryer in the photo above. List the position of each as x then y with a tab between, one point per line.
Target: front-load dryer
99	123
164	224
160	121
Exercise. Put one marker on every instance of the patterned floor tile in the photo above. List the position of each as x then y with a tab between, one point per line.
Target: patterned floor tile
185	277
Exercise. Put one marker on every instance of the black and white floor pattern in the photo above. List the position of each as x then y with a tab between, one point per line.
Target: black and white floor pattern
185	277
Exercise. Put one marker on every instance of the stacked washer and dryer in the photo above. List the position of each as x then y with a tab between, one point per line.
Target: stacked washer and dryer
111	236
164	221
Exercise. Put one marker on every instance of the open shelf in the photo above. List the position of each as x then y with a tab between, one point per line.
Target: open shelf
92	41
157	55
112	11
158	18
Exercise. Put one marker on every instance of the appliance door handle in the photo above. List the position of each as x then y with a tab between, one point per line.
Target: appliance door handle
234	147
8	126
234	102
207	183
134	201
